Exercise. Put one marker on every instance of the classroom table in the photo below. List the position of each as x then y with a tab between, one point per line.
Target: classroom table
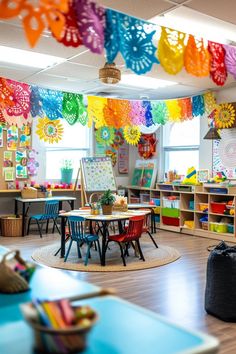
25	210
103	219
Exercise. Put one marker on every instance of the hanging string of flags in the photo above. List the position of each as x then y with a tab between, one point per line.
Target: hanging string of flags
84	22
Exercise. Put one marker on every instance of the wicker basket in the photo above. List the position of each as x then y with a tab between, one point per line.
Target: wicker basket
29	193
41	194
10	281
120	207
11	226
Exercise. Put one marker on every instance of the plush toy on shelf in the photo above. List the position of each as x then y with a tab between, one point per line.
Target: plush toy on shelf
191	176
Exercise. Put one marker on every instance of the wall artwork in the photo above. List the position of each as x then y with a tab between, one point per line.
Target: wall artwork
21	164
144	174
203	176
1	136
12	137
9	174
25	137
224	153
7	159
123	159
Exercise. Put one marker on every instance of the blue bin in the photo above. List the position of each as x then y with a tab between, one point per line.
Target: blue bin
191	204
231	228
156	201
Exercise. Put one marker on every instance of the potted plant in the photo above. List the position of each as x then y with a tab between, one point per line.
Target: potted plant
66	171
107	200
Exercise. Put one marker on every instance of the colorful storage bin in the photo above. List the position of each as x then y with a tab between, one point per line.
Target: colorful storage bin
170	212
218	208
218	227
204	225
231	228
203	206
170	221
170	203
189	224
156	201
191	205
218	190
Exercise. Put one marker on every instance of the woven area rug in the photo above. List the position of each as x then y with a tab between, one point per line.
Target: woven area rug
154	257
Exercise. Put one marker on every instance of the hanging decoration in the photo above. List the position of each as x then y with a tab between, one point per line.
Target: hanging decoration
147	145
6	94
45	14
160	114
35	103
21	99
82	111
118	139
230	59
116	113
132	134
148	113
196	57
51	103
137	113
111	44
95	110
105	135
171	50
112	153
218	70
2	118
49	130
174	110
70	35
185	105
198	106
224	116
91	23
210	102
73	108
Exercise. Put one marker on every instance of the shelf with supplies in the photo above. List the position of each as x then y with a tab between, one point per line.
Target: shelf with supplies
193	210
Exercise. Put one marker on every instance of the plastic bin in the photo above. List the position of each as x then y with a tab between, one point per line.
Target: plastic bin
203	206
11	226
170	221
204	225
218	227
144	198
218	208
189	224
231	228
156	201
170	212
191	205
134	200
170	203
218	190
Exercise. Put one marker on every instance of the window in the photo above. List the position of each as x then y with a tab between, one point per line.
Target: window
74	145
181	145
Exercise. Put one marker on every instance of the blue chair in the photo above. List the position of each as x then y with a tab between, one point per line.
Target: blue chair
51	212
77	234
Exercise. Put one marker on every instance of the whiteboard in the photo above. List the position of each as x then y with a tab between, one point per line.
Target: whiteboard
98	174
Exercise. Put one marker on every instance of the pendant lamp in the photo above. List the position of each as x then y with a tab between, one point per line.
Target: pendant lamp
110	74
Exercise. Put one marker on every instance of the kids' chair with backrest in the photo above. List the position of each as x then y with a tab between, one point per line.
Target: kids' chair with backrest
132	233
51	212
77	234
147	225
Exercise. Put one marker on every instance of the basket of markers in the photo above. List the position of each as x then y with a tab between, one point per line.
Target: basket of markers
59	326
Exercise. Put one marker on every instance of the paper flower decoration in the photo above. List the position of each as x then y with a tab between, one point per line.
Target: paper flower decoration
132	134
105	135
112	153
218	71
136	44
95	110
230	59
21	99
148	113
117	113
185	105
111	35
49	130
45	14
91	23
171	50
198	105
196	57
224	116
6	94
137	113
118	139
174	111
51	103
35	103
73	108
210	102
160	112
70	35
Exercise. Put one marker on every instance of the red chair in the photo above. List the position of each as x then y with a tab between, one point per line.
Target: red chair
146	225
132	233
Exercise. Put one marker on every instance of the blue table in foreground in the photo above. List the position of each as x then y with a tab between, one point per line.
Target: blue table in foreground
123	328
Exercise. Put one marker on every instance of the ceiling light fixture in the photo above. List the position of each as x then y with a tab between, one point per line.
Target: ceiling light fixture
145	82
109	74
28	58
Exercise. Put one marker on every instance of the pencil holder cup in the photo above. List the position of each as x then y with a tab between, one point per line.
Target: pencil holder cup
58	341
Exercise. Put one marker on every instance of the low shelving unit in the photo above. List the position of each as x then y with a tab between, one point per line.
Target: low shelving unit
193	210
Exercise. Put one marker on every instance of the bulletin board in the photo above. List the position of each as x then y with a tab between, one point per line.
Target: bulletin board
14	145
98	174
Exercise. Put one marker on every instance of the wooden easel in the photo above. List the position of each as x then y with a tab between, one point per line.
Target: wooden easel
84	199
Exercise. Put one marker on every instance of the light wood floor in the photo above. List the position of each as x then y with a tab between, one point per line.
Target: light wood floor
175	290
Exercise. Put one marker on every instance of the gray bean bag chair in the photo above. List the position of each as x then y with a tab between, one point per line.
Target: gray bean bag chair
220	295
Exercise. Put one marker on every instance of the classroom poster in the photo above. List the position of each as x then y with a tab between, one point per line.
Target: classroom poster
21	164
123	159
224	153
7	159
9	174
1	136
144	174
12	138
25	137
100	149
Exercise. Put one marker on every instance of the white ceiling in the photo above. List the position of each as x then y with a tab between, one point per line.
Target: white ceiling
79	71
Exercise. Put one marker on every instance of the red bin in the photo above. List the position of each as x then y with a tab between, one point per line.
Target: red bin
218	208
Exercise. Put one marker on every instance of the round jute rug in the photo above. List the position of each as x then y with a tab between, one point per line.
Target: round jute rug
154	257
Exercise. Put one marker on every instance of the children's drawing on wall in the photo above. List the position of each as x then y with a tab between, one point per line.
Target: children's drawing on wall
21	164
12	137
7	159
25	137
